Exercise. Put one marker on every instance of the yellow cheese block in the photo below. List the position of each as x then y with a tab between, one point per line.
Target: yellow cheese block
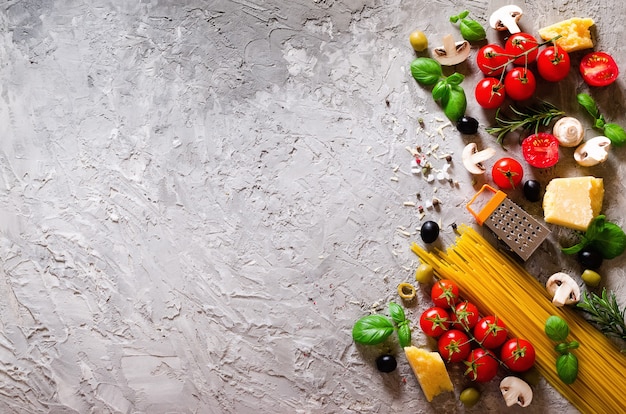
573	202
430	371
575	33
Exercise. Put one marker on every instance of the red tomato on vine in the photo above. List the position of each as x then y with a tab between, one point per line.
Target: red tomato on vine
553	63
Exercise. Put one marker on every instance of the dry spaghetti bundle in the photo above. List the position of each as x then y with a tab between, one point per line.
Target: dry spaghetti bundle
499	286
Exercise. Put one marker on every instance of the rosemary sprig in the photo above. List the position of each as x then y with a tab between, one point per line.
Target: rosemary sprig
529	118
605	312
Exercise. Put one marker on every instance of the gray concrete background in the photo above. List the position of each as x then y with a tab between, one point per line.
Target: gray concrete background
199	199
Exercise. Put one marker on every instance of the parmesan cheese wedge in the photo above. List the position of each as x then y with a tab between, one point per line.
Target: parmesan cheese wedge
575	34
573	202
430	371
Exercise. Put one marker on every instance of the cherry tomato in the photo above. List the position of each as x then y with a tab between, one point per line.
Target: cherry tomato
481	365
553	63
507	173
490	331
541	150
518	354
434	321
522	45
492	59
598	69
444	293
465	314
490	93
520	84
454	346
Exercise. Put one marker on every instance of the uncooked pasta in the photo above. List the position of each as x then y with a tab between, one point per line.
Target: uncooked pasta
500	286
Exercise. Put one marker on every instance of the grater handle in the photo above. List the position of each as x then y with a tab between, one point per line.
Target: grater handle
497	198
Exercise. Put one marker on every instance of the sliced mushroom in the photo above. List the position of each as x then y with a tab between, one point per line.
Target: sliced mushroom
451	53
569	131
516	391
593	152
473	159
506	18
563	289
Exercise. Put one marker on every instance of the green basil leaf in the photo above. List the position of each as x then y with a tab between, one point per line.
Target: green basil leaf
556	328
404	334
599	123
441	90
372	329
615	133
610	241
562	348
397	313
567	367
472	31
455	104
594	229
589	104
574	249
455	79
426	71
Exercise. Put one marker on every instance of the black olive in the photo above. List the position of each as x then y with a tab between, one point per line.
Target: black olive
590	258
429	231
386	363
467	125
532	190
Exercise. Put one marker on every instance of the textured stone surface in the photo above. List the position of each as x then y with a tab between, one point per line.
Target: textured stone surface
200	198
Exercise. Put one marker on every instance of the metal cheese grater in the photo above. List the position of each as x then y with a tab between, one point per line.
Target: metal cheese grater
519	230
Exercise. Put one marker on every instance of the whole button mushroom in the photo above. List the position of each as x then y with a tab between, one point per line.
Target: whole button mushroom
569	131
506	18
593	152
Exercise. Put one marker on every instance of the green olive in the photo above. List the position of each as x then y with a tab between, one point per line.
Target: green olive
424	273
469	396
418	41
591	277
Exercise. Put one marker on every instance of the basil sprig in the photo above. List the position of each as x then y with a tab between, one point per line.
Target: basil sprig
447	89
612	131
567	363
471	30
374	329
605	237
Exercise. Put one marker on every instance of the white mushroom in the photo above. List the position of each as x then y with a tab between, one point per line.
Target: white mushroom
593	152
451	53
569	131
506	18
473	159
516	391
563	289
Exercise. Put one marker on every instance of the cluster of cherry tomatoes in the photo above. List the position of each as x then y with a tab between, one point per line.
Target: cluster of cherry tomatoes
519	82
463	336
